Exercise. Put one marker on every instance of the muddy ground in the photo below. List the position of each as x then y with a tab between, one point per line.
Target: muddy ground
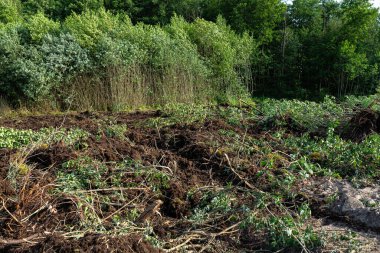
186	158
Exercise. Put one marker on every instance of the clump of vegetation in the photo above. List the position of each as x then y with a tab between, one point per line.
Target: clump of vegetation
14	138
130	65
308	115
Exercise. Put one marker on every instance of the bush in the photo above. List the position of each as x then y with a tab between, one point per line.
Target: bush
89	27
102	61
39	26
224	52
35	72
22	70
63	57
10	11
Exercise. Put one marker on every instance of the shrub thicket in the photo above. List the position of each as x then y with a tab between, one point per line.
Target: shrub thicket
98	60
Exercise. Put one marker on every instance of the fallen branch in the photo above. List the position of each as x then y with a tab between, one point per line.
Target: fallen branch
21	241
110	190
10	214
182	244
35	212
239	176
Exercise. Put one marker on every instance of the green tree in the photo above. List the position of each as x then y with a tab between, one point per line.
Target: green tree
258	17
60	9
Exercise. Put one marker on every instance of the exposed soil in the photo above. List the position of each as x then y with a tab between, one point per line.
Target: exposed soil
177	147
188	153
362	123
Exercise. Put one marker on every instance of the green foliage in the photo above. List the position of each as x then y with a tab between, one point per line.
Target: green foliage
116	52
48	59
12	138
304	114
285	231
39	26
313	146
212	204
10	11
259	17
162	49
11	51
63	58
156	179
89	27
191	51
353	63
223	49
320	34
86	174
23	73
346	158
60	9
117	131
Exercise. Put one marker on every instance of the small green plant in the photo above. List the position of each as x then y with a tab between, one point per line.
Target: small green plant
346	158
211	205
81	174
14	138
285	229
303	114
115	131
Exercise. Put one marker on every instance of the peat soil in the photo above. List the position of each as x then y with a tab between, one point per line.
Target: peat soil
35	219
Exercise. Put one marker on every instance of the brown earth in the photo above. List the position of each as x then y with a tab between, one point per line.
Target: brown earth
361	124
188	153
179	147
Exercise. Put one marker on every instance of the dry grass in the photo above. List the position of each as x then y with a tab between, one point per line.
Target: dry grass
4	107
138	86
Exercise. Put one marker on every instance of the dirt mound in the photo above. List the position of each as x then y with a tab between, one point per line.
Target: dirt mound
361	125
51	157
89	243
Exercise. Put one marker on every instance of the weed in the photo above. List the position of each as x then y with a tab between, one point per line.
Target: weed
12	138
348	159
211	205
81	174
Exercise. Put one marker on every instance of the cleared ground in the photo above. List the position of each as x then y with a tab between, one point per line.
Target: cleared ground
190	179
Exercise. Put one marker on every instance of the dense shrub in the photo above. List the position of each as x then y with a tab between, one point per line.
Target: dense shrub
9	11
89	27
39	26
223	50
102	61
298	49
22	74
